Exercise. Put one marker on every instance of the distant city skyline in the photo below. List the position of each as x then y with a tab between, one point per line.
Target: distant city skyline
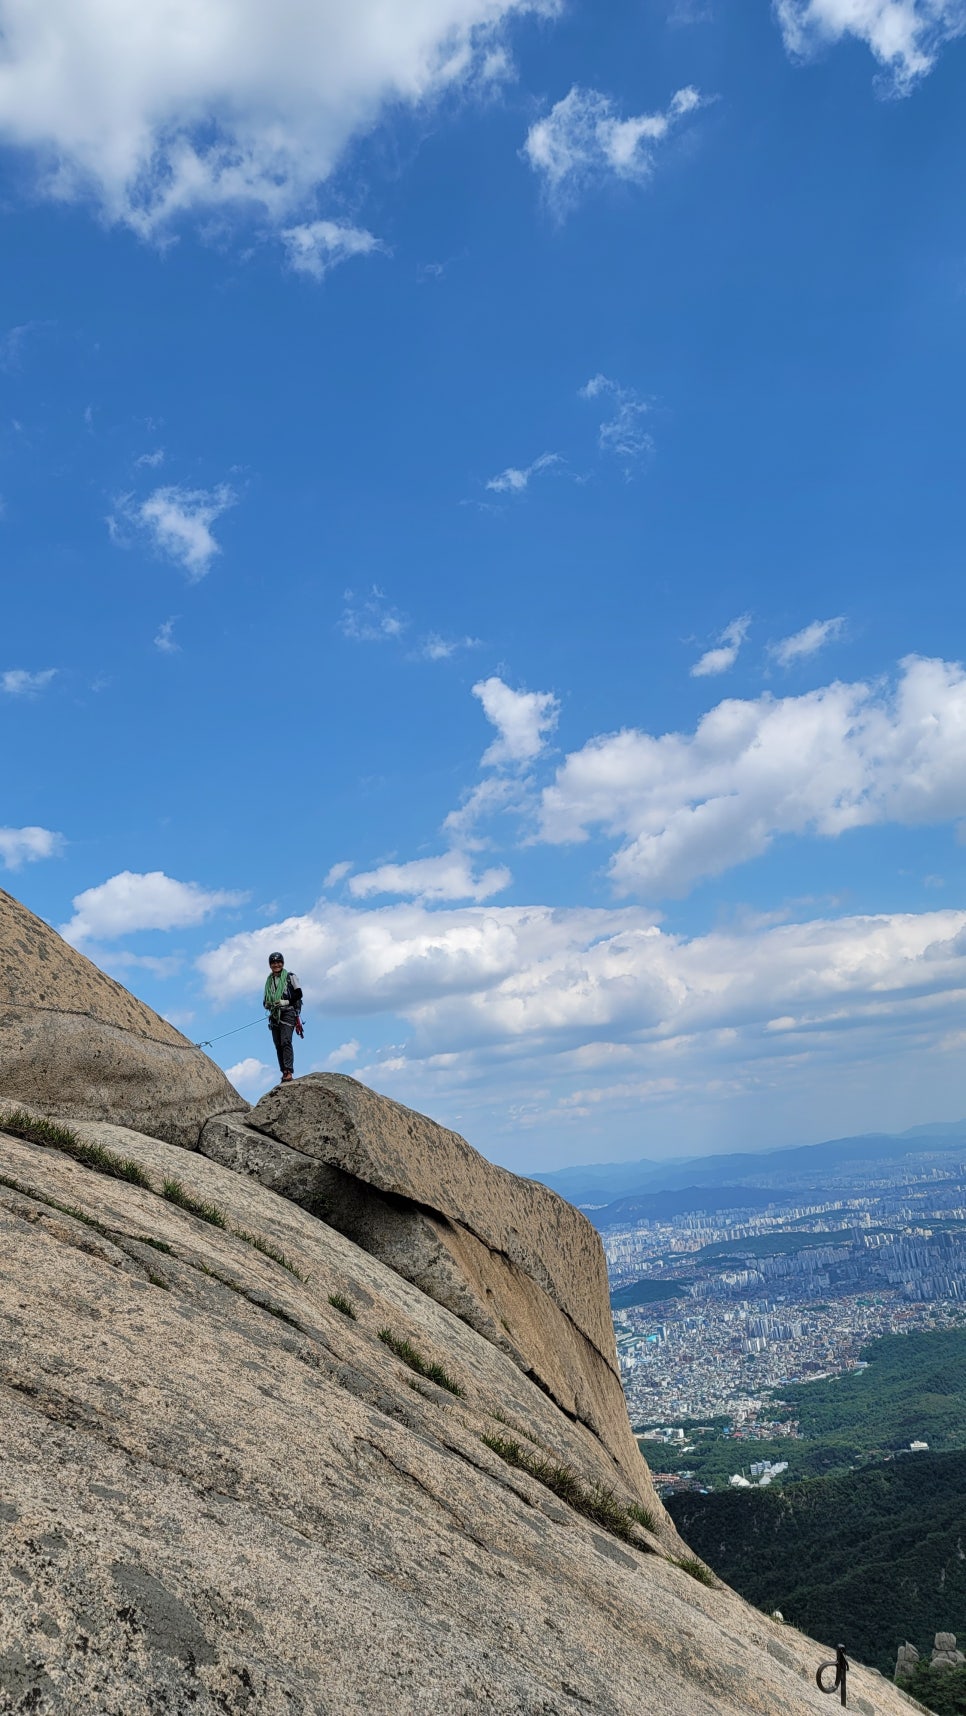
482	510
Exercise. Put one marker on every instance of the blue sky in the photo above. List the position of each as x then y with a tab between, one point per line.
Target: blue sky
483	511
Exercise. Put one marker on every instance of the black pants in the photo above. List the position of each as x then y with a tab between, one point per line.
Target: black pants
282	1038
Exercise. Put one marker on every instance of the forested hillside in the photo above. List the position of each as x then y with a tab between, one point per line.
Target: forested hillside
913	1389
868	1558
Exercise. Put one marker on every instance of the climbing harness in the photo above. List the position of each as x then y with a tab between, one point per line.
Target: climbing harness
841	1667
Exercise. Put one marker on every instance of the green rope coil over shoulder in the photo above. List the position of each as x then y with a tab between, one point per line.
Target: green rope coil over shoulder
274	991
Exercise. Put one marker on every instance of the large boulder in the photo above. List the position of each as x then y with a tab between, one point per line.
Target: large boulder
521	1266
75	1043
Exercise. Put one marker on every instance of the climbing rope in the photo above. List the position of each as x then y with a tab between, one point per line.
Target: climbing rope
209	1041
841	1667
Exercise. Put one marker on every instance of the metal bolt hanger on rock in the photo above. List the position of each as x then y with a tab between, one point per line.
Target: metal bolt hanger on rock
841	1667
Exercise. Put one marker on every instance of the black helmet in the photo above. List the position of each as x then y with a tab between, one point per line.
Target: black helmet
275	956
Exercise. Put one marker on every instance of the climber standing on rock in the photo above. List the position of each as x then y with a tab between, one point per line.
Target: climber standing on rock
283	1001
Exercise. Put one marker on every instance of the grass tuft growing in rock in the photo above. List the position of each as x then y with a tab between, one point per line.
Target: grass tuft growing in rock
410	1355
175	1193
52	1204
36	1130
108	1162
642	1516
268	1250
518	1429
274	1310
697	1569
47	1132
343	1304
594	1501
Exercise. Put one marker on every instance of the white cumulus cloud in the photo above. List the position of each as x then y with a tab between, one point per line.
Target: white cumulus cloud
725	652
523	720
554	1014
185	105
27	845
806	642
447	877
251	1076
685	806
905	36
582	141
177	521
344	1055
133	901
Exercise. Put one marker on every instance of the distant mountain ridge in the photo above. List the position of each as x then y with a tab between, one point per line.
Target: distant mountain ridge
598	1184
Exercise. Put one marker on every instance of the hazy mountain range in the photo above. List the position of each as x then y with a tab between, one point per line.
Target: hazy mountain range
616	1191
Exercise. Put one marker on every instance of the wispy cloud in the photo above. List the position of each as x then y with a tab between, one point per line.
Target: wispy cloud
807	641
337	873
622	434
371	619
164	638
17	682
28	845
14	341
178	522
318	246
582	142
514	482
434	647
725	652
150	460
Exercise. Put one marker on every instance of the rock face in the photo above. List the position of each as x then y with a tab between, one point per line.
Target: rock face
906	1660
74	1042
507	1255
355	1450
221	1495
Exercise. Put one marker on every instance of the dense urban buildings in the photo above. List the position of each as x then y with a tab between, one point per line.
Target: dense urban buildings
733	1304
